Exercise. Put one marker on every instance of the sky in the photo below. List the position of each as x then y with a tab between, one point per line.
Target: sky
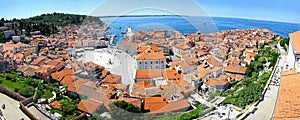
273	10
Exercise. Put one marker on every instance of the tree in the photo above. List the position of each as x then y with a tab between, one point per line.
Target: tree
32	82
127	106
125	111
67	106
97	117
27	91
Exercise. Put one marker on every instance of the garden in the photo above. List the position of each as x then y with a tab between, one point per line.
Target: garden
250	89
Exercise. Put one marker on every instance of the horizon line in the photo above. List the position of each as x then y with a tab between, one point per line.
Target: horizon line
234	17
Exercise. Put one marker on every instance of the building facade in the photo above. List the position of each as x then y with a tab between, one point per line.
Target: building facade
294	51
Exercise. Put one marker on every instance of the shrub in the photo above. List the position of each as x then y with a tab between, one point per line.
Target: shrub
16	90
27	91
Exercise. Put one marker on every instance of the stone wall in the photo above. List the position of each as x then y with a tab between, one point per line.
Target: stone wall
27	111
10	93
22	100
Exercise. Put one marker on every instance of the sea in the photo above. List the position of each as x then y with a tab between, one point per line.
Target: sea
192	24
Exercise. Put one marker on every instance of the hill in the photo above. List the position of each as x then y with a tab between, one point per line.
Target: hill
47	23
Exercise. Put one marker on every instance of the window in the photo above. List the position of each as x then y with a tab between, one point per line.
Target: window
162	61
156	62
140	62
145	62
151	62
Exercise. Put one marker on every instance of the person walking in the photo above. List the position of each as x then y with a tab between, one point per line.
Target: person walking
3	106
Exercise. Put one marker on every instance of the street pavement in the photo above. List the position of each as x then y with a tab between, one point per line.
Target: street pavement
12	110
37	113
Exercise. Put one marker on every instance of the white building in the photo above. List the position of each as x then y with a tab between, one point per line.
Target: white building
151	61
294	51
154	76
16	38
8	33
179	48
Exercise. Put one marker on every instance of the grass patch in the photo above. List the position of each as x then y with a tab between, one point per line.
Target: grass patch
193	114
47	94
12	85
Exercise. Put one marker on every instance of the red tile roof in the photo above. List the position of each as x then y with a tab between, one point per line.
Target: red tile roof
288	100
151	56
174	106
89	105
76	85
295	39
37	60
67	79
55	104
213	61
234	68
61	74
154	103
148	74
214	82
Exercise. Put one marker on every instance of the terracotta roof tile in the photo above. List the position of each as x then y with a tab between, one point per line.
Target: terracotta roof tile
174	106
112	79
89	105
295	39
154	103
288	100
134	101
234	68
148	74
214	82
55	104
76	85
213	61
68	79
150	56
61	74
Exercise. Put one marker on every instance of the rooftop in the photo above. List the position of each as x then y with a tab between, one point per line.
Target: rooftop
288	100
89	105
295	39
148	74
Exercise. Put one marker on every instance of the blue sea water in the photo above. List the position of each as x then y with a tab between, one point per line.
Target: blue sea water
187	25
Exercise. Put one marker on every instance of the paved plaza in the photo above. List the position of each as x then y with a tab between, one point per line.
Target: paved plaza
114	60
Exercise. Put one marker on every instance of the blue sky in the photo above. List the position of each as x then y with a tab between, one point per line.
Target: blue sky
279	10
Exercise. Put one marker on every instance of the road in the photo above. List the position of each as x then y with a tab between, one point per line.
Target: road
12	110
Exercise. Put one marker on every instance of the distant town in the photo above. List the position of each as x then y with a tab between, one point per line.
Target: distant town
64	66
